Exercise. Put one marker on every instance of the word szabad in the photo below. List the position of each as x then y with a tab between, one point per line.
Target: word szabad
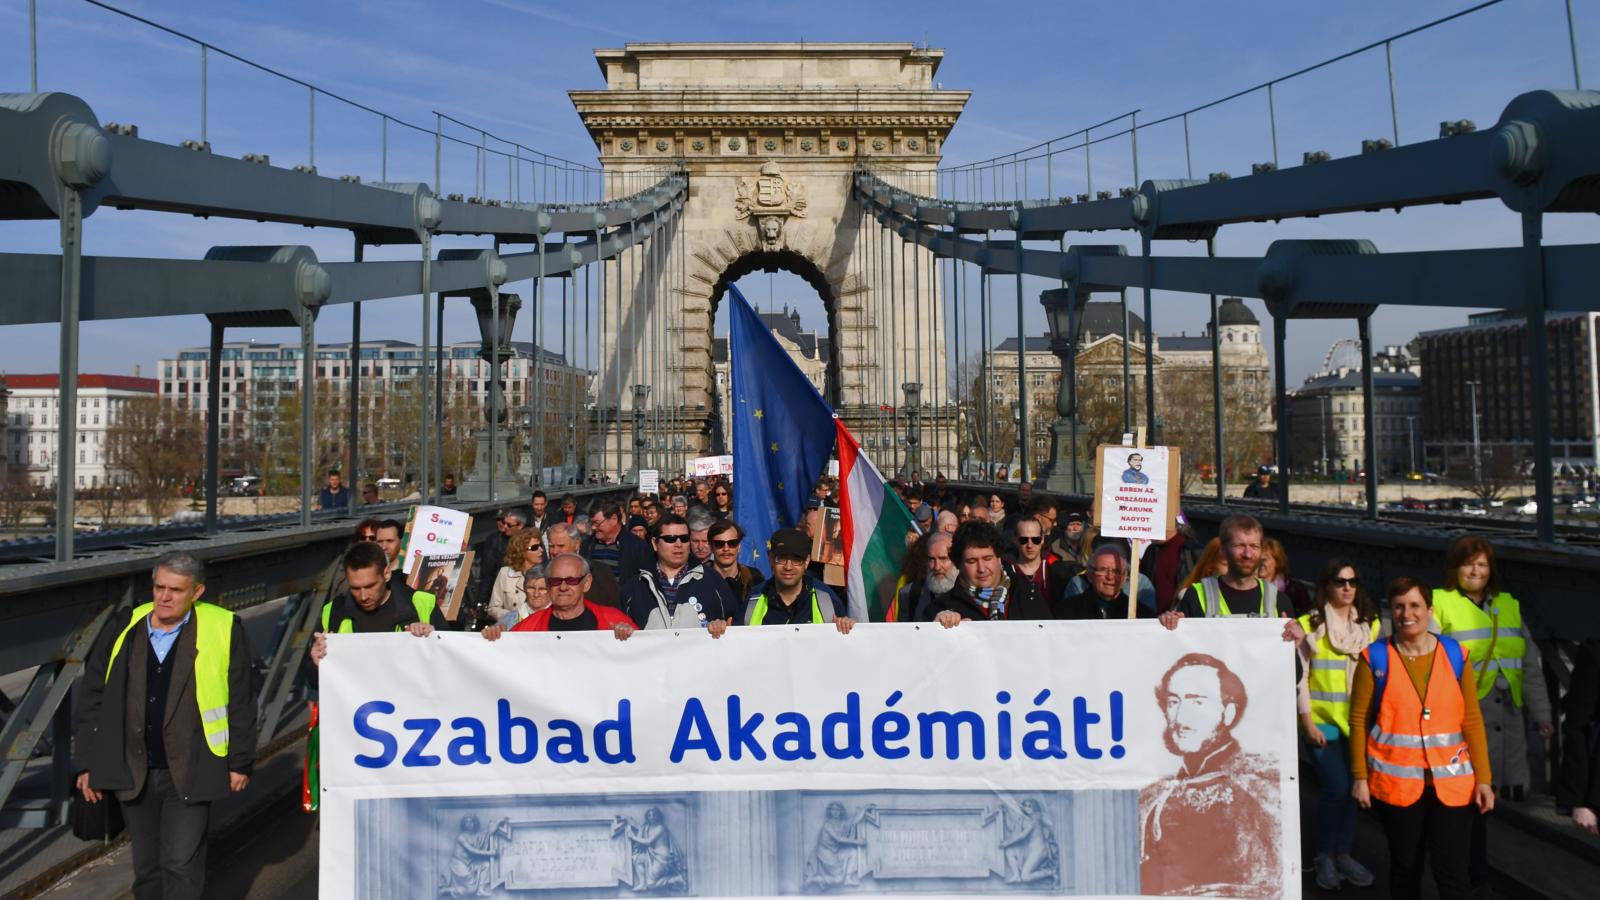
790	736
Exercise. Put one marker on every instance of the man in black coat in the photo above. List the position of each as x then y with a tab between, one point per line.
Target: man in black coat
987	587
166	720
612	545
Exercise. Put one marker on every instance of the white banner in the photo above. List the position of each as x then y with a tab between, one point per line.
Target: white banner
1084	758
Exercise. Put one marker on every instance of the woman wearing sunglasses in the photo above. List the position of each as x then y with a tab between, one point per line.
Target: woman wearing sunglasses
722	499
1330	639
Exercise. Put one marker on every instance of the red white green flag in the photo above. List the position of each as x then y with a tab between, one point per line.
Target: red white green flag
875	523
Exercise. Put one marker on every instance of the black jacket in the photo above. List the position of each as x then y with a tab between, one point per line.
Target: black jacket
108	729
1021	603
1085	605
1578	783
633	554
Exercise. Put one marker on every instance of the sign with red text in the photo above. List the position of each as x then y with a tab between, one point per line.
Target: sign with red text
1133	488
433	531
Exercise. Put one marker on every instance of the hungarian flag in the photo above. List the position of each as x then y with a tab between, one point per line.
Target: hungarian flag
875	523
311	780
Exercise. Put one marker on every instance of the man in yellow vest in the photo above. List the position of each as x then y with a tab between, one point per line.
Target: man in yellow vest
374	603
166	720
790	596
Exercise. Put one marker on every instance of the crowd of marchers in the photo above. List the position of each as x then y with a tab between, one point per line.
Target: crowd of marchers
1418	701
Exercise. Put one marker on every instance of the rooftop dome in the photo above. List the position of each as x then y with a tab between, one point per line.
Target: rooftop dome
1234	312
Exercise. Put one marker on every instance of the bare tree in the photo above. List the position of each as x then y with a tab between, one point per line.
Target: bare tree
1495	476
1189	420
155	443
16	496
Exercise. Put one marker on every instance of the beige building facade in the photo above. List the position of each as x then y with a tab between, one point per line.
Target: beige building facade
771	135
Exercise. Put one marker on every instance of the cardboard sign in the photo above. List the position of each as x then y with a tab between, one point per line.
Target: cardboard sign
445	577
433	531
1133	491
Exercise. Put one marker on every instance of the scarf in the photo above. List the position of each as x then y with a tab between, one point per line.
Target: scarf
1349	638
992	600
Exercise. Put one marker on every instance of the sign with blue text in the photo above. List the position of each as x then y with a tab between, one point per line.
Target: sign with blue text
1099	759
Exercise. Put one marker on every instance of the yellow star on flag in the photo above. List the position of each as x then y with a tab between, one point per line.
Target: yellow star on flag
780	485
760	414
774	446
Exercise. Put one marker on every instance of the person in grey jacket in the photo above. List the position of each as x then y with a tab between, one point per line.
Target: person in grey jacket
166	720
675	592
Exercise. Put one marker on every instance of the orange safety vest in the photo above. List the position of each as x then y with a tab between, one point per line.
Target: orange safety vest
1412	740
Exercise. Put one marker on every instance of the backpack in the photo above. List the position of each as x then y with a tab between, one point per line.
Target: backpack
1378	660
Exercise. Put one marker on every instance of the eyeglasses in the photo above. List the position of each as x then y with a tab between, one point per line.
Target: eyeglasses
368	537
672	538
1345	582
722	493
556	581
724	545
1031	539
1105	570
538	588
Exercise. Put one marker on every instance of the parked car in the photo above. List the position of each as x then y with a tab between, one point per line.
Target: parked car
1531	508
1413	503
246	486
1473	510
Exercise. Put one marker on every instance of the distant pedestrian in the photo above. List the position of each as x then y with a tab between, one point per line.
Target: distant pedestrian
335	495
369	494
1262	488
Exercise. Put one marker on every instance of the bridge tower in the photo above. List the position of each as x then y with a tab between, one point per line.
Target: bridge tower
771	134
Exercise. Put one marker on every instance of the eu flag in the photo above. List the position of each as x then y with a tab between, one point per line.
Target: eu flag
782	432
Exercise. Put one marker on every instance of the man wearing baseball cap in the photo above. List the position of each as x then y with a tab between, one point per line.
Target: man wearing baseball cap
791	596
1262	488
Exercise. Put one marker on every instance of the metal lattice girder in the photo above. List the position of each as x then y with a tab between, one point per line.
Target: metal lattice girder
1446	278
50	139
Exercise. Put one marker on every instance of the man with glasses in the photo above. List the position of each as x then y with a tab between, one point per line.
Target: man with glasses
1105	595
603	587
1048	574
987	588
674	593
790	596
722	499
570	609
725	538
612	545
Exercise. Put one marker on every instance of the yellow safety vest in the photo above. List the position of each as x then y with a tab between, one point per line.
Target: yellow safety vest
1208	590
758	615
422	600
1475	629
213	642
1329	682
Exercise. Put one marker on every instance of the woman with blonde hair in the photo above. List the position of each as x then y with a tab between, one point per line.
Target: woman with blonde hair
524	552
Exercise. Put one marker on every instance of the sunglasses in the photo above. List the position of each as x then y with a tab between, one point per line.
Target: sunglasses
555	581
369	538
1031	539
673	538
723	545
1346	582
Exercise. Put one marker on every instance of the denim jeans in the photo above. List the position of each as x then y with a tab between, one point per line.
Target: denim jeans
1336	809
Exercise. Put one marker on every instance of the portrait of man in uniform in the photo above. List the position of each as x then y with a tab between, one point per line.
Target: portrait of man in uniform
1212	828
1134	473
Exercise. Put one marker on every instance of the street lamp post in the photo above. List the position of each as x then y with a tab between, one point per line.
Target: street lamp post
1411	441
1063	473
913	459
640	441
493	476
1322	422
1477	450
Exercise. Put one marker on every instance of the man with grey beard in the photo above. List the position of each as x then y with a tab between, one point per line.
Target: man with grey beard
941	578
1219	789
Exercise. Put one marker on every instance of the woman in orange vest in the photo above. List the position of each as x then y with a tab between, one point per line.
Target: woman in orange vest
1417	748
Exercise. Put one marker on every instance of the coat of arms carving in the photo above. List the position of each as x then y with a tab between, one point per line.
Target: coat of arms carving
770	199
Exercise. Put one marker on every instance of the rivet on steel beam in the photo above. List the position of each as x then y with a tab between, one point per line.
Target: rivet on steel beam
1377	145
1312	157
1262	168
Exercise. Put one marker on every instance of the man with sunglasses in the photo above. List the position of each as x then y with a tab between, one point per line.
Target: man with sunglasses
675	593
1048	574
570	609
725	538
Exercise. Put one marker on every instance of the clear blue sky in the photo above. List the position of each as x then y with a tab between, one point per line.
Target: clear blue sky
1036	70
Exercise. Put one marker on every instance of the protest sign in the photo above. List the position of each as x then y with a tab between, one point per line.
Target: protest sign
707	466
649	481
1133	491
892	760
433	531
445	577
